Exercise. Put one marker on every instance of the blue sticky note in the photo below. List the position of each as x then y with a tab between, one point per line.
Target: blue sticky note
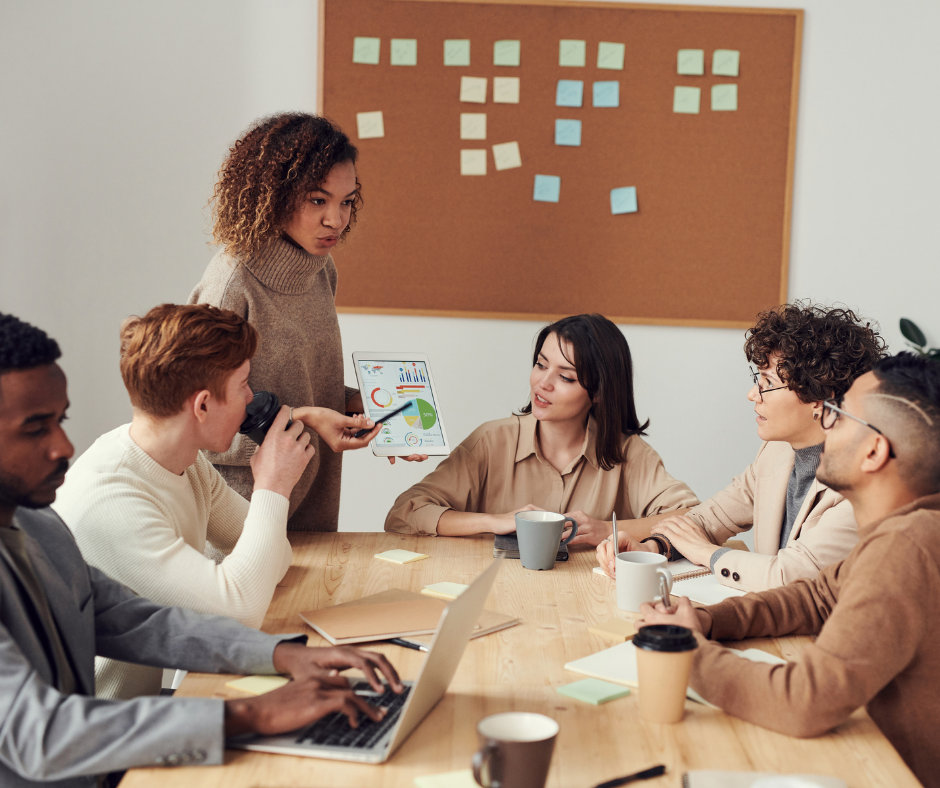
623	200
570	93
567	132
606	94
547	188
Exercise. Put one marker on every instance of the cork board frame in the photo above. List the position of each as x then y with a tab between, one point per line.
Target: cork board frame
709	241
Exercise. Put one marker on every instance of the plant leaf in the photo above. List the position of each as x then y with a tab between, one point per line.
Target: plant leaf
910	331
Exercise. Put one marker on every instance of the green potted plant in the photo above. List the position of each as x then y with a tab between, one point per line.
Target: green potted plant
916	339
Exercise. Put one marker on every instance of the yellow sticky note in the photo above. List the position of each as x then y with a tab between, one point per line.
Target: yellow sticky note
473	90
370	125
400	556
445	590
473	161
506	156
505	90
473	125
257	685
458	779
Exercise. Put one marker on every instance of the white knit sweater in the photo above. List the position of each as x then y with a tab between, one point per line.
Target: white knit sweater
150	529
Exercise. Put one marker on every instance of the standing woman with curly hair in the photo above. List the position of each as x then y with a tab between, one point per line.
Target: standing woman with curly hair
287	193
803	354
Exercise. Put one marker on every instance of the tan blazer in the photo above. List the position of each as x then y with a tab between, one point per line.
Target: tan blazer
824	531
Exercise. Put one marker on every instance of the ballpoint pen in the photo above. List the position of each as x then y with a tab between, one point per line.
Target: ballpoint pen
646	774
408	644
613	526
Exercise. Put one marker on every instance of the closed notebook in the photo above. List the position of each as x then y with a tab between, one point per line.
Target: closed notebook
390	614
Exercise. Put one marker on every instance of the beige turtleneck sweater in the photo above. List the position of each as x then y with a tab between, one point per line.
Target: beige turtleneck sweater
287	295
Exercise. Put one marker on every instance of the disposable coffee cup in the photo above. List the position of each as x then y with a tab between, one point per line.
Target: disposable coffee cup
259	415
641	577
539	535
664	660
515	750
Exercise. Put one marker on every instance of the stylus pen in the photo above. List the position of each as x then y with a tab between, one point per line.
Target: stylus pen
408	644
646	774
382	419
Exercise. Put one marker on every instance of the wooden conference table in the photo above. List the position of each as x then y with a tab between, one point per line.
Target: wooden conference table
518	669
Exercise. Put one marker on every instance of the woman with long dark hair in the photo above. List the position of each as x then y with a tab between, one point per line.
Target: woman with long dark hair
574	448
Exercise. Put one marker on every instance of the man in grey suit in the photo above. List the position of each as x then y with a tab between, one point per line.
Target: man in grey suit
56	613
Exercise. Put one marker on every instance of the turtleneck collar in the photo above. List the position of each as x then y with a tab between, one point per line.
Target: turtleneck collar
284	267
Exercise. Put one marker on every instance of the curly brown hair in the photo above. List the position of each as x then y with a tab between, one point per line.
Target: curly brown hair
820	350
269	171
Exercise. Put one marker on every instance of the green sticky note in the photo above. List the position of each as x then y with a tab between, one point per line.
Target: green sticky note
366	50
726	62
457	52
506	53
594	691
404	52
572	52
610	55
691	61
686	100
724	98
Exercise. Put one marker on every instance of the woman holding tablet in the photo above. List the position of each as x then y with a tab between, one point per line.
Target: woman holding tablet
574	448
287	194
803	354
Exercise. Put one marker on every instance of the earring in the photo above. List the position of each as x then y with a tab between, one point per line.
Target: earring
816	416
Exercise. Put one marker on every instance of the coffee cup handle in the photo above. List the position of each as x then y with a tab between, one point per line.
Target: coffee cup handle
665	585
574	530
482	759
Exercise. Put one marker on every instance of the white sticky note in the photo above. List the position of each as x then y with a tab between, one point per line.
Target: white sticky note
506	156
505	90
403	52
473	90
370	125
506	53
610	55
472	162
473	125
457	52
572	52
366	50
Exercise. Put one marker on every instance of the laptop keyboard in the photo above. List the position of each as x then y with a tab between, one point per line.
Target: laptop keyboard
334	730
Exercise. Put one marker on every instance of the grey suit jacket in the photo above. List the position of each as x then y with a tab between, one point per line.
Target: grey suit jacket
64	739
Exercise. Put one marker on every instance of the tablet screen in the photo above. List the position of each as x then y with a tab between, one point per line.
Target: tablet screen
387	385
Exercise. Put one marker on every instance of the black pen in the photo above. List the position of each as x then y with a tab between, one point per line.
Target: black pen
653	771
408	644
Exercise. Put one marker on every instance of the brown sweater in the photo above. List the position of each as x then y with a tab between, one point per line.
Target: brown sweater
287	295
877	616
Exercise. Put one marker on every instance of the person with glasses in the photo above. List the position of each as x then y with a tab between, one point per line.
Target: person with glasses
876	614
575	448
802	355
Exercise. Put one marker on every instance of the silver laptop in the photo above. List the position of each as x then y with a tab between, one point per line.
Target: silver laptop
374	742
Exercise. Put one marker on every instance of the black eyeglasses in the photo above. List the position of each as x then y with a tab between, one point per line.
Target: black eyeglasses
755	376
831	413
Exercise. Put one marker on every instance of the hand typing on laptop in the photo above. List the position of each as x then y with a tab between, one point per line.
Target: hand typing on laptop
316	690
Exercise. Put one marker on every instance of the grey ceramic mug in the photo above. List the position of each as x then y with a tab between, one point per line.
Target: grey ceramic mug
539	535
515	750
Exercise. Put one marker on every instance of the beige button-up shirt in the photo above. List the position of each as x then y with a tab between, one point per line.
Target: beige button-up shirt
499	468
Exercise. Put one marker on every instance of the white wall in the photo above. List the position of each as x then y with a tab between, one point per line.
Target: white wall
117	113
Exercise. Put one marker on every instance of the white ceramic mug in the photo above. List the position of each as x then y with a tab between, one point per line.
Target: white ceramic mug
641	577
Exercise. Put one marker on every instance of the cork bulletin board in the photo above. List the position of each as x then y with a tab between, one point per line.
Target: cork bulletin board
532	160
